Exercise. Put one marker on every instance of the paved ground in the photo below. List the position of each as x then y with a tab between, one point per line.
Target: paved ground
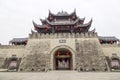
60	75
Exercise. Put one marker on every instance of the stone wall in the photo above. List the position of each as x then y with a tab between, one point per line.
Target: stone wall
90	55
1	62
36	57
6	51
110	49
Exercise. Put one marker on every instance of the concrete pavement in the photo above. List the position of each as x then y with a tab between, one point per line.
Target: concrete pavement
60	75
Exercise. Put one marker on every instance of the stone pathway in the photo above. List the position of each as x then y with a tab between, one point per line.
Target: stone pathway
60	75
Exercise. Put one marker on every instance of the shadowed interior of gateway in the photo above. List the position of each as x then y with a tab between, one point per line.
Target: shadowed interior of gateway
63	60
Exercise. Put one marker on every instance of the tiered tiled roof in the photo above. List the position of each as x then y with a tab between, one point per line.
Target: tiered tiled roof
61	19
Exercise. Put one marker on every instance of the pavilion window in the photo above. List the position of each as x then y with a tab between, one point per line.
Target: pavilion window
68	27
76	26
56	27
47	28
81	29
73	17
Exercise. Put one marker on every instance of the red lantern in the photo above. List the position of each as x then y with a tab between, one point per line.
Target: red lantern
81	29
56	27
81	22
47	28
51	18
68	53
73	17
76	26
58	53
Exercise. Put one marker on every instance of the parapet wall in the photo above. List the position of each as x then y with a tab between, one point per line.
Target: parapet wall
11	46
110	49
63	35
7	51
110	45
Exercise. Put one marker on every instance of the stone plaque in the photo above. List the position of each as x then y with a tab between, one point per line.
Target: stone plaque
62	40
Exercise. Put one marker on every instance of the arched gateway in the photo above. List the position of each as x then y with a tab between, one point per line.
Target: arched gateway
62	58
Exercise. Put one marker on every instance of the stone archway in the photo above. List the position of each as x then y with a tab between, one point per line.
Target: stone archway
63	55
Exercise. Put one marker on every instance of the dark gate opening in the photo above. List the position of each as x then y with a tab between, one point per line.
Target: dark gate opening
63	60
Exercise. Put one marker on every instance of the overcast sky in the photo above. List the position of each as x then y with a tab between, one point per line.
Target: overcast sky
16	15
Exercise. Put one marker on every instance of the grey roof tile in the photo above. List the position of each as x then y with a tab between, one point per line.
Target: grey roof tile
108	38
18	40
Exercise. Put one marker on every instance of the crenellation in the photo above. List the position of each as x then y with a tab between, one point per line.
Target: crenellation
95	34
47	35
90	34
82	35
37	35
63	35
86	35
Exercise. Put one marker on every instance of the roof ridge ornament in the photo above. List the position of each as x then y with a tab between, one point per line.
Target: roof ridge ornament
34	23
74	10
49	11
32	31
93	30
